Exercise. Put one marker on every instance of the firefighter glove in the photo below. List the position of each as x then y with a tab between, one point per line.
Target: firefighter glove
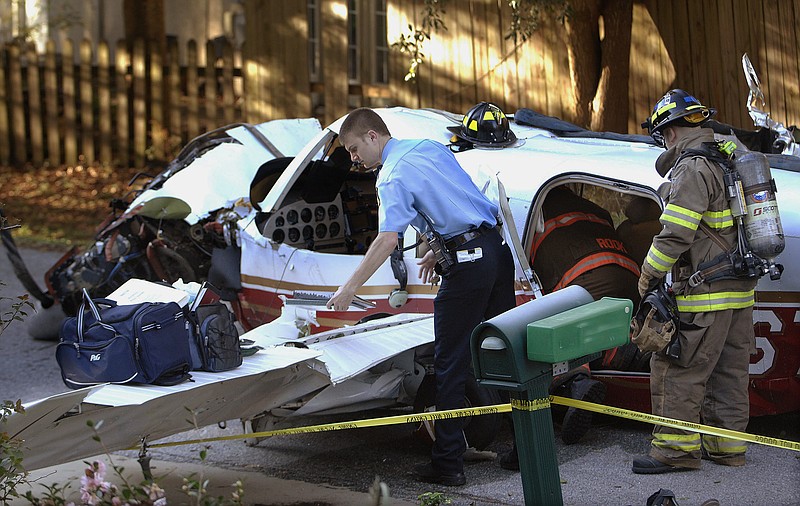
646	281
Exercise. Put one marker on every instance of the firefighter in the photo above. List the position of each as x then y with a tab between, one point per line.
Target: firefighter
576	244
421	184
708	380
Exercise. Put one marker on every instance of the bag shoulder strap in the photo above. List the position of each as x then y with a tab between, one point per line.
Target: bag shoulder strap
714	236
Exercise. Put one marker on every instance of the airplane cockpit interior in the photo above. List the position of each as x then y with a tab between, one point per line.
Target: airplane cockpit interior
332	207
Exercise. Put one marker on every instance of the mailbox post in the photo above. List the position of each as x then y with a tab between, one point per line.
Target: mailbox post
520	351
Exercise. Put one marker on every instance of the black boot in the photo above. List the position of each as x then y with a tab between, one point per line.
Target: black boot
577	421
510	460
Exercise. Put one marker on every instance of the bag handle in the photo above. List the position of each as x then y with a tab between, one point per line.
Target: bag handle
81	309
87	299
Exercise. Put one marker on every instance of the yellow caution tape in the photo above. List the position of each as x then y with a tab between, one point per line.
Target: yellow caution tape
518	404
533	405
371	422
677	424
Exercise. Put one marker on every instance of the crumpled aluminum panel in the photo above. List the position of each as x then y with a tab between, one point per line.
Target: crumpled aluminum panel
349	355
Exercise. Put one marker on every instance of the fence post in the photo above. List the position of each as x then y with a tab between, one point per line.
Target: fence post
70	125
123	129
35	107
173	90
5	145
103	103
192	127
227	83
85	99
51	104
18	147
139	105
211	88
157	125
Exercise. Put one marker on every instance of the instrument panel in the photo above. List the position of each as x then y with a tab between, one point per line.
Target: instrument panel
301	223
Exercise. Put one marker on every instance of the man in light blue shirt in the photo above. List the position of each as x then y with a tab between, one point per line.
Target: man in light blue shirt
423	175
421	184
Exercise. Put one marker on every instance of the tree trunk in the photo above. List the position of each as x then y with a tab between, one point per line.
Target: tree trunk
610	111
583	48
599	68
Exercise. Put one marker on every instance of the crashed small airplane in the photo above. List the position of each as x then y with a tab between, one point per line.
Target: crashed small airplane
276	216
612	170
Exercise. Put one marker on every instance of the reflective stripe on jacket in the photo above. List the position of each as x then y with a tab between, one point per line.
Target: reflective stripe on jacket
715	301
594	261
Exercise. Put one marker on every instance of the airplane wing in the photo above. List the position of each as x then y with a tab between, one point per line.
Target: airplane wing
124	414
54	430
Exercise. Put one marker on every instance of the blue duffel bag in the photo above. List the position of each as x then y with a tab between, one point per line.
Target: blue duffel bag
137	343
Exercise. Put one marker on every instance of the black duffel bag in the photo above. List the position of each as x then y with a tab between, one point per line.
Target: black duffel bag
137	343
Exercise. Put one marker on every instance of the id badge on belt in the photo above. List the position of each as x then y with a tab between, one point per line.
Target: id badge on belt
469	255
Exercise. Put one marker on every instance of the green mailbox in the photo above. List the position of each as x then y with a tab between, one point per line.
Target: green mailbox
520	351
499	346
582	331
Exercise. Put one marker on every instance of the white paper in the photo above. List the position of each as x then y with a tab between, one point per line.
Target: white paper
136	291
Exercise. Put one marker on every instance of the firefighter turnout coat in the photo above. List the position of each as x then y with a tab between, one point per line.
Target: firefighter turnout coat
708	383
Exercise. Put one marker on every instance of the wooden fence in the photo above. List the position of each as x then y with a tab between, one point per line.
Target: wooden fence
144	104
700	46
63	108
692	44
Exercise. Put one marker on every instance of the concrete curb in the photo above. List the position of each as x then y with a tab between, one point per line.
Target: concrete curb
259	489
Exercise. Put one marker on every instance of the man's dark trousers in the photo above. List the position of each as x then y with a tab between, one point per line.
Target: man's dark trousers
471	292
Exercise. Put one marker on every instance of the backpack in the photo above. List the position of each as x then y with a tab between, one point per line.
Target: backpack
213	339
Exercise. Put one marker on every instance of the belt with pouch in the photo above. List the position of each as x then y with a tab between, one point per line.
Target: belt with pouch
456	241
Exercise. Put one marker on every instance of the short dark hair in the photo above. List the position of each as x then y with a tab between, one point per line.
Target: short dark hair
362	120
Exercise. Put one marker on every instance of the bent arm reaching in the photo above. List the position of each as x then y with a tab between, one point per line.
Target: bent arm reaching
378	252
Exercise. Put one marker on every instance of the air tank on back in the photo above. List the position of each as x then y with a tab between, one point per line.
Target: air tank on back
762	224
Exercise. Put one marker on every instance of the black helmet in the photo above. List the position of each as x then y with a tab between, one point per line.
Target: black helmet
677	108
485	125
